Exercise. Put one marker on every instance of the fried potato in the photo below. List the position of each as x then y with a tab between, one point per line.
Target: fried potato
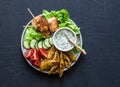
51	52
67	61
52	69
45	65
67	65
61	65
56	55
57	69
71	56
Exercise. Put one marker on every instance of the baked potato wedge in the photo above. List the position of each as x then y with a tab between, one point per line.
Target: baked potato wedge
51	52
46	65
61	65
67	61
71	56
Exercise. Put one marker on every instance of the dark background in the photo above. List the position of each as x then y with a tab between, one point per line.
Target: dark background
100	27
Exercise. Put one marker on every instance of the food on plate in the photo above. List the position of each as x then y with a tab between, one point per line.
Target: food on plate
40	23
45	26
35	56
47	34
28	53
67	65
52	69
61	64
56	62
53	61
61	41
67	61
53	24
71	56
47	64
51	52
31	34
44	53
37	44
56	55
63	19
39	48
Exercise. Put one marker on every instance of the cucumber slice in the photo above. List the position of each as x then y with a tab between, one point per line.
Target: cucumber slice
36	45
26	44
51	40
32	43
40	44
47	44
44	46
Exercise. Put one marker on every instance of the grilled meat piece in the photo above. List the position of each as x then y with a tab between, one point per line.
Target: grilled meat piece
40	23
53	24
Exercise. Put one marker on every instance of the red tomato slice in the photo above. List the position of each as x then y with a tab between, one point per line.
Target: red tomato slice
35	55
43	52
28	53
36	63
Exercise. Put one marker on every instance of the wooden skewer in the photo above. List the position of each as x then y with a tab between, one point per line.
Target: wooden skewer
79	48
25	26
30	12
31	15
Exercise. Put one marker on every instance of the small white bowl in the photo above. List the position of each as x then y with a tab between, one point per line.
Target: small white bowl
60	41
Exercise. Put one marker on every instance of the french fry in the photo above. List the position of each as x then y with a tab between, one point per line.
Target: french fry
55	68
67	61
61	65
51	52
71	56
52	69
56	55
45	65
67	65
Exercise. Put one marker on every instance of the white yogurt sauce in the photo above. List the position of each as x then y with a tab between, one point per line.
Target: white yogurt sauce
61	40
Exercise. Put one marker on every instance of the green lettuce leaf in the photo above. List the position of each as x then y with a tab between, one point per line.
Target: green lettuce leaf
63	19
31	33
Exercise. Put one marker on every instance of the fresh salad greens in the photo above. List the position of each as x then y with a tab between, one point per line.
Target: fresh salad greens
31	34
35	39
75	50
63	18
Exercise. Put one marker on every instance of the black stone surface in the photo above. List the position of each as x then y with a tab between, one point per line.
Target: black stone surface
100	26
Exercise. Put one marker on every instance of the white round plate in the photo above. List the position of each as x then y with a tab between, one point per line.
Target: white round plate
79	40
